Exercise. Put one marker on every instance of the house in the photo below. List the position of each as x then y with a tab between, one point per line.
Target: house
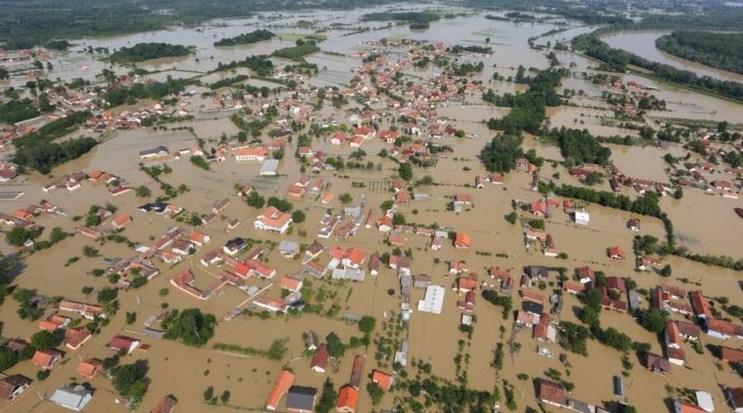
722	329
165	405
731	355
199	238
291	283
288	249
552	393
72	396
348	399
120	221
271	219
182	247
250	154
90	368
544	330
734	396
581	217
46	359
270	304
154	153
314	250
466	284
462	241
76	337
279	389
700	305
684	407
382	379
704	400
320	359
13	386
219	206
374	263
536	272
235	246
585	274
615	253
123	343
687	330
301	399
421	281
357	369
656	363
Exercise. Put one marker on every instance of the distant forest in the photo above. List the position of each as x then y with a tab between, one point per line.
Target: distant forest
720	50
146	51
24	24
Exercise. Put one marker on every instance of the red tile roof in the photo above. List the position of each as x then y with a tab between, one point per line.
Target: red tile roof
283	383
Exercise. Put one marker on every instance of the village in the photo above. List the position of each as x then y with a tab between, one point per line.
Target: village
294	247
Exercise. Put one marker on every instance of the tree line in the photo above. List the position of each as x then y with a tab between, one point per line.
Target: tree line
618	60
720	50
146	51
246	38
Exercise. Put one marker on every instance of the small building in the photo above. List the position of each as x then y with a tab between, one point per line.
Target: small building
72	397
13	386
301	399
165	405
581	217
270	167
382	379
283	383
319	361
154	153
734	396
348	399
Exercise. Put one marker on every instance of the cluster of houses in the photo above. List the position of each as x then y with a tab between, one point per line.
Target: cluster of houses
302	399
72	182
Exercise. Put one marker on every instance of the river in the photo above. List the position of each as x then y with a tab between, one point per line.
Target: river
642	43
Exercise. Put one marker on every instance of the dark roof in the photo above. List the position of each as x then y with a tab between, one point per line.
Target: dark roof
301	398
532	307
536	271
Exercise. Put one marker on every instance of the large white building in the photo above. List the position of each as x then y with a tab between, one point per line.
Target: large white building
433	301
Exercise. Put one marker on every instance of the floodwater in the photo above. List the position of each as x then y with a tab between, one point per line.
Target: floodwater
185	372
642	43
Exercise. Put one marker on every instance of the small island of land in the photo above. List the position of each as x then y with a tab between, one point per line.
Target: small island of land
246	38
146	51
299	51
719	50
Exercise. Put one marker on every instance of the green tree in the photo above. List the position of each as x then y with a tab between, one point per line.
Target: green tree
367	324
336	348
406	171
18	236
106	295
298	216
44	340
328	397
345	198
654	320
130	380
142	191
190	326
